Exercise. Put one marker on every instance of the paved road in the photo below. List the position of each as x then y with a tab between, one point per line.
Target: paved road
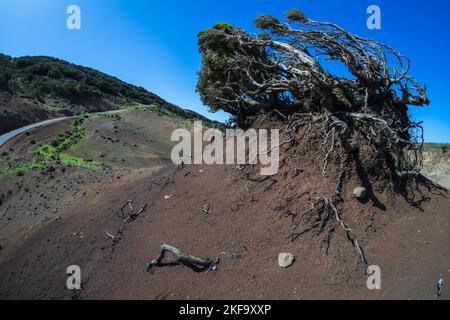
9	135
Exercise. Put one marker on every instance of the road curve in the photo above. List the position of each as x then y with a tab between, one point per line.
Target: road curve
9	135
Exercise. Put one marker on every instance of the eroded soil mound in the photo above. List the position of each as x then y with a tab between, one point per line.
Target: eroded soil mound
249	220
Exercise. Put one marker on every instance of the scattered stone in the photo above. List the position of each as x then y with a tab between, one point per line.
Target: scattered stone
285	260
296	172
206	209
360	193
440	287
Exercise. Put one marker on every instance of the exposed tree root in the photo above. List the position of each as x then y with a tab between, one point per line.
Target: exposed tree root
336	145
350	234
325	213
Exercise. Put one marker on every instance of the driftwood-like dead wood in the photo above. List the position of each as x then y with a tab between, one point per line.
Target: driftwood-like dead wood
196	264
128	216
206	209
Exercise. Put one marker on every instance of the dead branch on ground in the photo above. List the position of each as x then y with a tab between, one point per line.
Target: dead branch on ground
196	264
129	216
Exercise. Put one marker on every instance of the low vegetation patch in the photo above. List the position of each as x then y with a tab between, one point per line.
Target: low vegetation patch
186	118
4	158
64	141
23	168
110	116
54	150
79	162
54	153
444	147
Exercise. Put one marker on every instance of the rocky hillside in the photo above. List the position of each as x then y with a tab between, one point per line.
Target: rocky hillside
38	88
436	163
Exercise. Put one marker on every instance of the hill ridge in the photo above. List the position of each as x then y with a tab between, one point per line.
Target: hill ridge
36	88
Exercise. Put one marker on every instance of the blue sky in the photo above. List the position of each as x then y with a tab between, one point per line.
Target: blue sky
152	43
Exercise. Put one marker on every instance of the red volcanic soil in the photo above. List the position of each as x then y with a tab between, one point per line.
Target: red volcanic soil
244	228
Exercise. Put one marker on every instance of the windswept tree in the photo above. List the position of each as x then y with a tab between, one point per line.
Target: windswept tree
358	114
282	69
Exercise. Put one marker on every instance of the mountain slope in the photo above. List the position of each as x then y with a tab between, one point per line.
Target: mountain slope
243	229
436	163
59	216
37	88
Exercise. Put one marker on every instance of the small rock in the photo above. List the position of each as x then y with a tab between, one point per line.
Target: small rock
360	193
440	287
285	260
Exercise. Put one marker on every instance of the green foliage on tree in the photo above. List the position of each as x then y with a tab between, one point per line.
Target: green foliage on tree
217	81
